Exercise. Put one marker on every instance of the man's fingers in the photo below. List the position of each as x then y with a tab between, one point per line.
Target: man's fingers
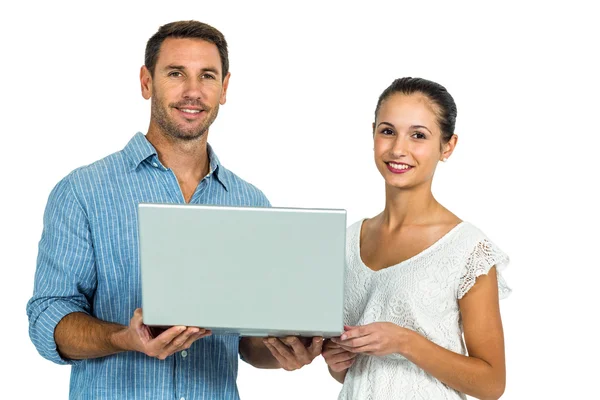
137	323
283	350
280	359
169	341
196	336
137	313
177	343
301	353
144	333
205	334
181	340
316	346
167	336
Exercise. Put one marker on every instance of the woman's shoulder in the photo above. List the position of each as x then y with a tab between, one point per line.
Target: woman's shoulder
354	229
474	245
468	230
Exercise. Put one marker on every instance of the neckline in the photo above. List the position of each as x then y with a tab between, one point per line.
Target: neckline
418	255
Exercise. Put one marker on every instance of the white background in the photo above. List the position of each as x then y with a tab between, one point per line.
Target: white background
305	81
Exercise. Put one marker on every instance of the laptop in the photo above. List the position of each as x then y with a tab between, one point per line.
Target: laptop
247	271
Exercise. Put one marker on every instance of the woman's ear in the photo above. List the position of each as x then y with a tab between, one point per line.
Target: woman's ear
448	148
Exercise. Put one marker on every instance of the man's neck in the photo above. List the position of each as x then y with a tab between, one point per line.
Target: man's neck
188	159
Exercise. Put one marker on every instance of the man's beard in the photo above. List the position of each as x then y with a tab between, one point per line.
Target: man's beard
169	127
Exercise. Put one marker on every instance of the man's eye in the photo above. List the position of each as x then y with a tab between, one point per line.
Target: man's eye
208	76
175	73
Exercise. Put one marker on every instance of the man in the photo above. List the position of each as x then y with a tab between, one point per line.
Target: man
84	310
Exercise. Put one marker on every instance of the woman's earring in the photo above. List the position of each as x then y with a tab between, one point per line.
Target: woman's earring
444	159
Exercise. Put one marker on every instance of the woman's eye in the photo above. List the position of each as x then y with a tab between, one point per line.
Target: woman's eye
419	135
387	131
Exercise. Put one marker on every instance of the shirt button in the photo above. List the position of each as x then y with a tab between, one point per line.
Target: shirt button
155	165
184	354
183	398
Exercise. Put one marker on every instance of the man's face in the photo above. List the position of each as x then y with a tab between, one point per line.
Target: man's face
186	89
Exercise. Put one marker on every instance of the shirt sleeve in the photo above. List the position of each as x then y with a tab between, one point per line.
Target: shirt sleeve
481	259
65	277
263	201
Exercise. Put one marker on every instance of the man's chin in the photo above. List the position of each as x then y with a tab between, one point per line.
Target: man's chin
187	135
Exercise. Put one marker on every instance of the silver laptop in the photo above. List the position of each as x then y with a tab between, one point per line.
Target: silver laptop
243	270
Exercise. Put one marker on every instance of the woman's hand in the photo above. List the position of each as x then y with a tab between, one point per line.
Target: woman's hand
336	357
377	338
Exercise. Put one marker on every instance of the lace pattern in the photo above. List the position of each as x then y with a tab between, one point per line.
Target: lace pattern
484	256
421	294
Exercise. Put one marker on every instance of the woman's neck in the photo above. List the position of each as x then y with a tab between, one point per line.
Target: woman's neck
410	207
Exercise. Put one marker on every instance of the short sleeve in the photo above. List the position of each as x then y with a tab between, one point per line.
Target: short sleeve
484	256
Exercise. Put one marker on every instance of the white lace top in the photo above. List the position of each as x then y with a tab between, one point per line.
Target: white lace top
421	294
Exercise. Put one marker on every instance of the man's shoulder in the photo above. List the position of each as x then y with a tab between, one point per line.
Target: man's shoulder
104	169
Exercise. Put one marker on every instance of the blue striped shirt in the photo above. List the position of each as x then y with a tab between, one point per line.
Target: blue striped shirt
88	262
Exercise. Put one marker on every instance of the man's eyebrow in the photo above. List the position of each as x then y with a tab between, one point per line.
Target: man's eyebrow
173	66
182	68
211	69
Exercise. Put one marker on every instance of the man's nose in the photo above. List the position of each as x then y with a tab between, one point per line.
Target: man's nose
192	88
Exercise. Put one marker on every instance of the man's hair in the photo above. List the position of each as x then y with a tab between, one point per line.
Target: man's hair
186	30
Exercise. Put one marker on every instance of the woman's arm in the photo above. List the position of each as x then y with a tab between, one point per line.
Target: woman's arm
481	374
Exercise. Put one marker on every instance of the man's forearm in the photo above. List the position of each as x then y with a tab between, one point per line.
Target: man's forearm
254	352
79	336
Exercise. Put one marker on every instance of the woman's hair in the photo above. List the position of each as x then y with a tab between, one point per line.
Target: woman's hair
444	106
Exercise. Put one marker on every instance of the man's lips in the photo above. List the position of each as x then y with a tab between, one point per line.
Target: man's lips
189	112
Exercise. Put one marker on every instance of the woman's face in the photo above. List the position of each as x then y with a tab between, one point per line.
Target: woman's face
407	140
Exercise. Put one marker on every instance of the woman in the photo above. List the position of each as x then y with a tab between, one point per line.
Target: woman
417	276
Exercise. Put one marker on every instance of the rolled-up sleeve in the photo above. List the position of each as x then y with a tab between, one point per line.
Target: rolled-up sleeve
65	277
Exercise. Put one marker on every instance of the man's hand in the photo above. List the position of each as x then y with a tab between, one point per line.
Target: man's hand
138	337
291	352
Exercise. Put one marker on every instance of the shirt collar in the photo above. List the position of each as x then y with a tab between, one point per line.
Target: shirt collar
220	172
139	149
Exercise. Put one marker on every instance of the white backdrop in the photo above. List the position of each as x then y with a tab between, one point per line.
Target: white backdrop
305	81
